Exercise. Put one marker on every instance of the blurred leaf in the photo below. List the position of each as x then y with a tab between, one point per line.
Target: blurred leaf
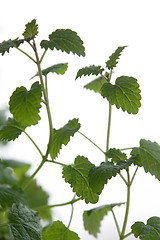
116	155
65	40
148	156
10	195
113	59
151	231
4	232
62	136
93	217
11	130
24	223
58	231
57	68
94	70
25	105
124	94
31	30
77	177
7	175
96	84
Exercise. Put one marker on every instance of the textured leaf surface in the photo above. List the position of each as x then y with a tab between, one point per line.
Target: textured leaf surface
58	231
6	45
113	59
77	177
98	176
57	68
24	223
11	130
148	156
96	84
31	29
150	231
10	195
65	40
62	136
124	94
116	155
25	105
94	70
7	175
92	218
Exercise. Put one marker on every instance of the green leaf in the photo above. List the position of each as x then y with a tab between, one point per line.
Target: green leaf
57	68
150	231
116	155
11	130
93	217
6	45
98	176
62	136
58	231
24	223
31	30
113	59
77	177
10	195
124	94
25	105
148	156
65	40
7	175
94	70
96	84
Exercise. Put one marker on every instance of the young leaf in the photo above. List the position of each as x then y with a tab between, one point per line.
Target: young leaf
10	195
96	84
31	30
65	40
116	155
57	68
124	94
25	105
24	223
98	176
62	136
58	231
148	156
6	45
113	59
150	231
7	175
11	130
94	70
92	218
77	177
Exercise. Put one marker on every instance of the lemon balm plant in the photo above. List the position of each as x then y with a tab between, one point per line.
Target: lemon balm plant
24	209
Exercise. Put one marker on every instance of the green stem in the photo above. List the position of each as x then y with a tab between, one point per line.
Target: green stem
25	185
43	55
91	142
127	206
52	161
27	55
70	220
134	175
58	205
127	235
108	130
117	226
34	143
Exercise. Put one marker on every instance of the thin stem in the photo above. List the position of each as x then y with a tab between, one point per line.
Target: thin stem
134	175
123	149
108	130
127	235
33	143
52	161
43	55
27	55
123	178
117	226
127	206
58	205
91	142
70	220
25	185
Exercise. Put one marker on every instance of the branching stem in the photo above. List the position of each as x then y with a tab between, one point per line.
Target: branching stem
27	55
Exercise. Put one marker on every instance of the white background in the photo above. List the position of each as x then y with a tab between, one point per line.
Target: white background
103	26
